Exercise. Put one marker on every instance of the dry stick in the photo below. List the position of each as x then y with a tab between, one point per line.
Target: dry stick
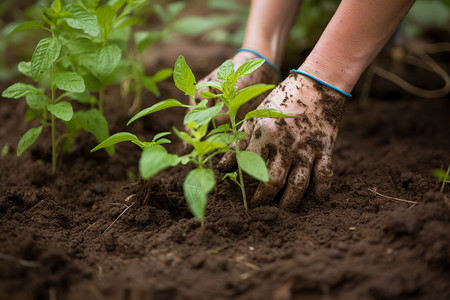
127	207
444	181
374	190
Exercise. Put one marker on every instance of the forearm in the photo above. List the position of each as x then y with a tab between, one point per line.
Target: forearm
268	27
352	39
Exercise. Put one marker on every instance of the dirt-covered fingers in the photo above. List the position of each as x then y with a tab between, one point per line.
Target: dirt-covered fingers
278	170
297	183
323	173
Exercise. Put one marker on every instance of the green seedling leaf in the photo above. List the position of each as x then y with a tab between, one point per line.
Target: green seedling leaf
223	138
183	77
201	115
28	139
69	81
149	84
94	122
83	97
107	59
208	94
25	68
248	93
253	165
62	110
5	150
157	107
267	113
25	26
31	113
118	138
145	38
162	74
37	101
232	177
441	175
248	67
46	52
80	45
126	22
57	6
161	134
155	159
105	15
212	83
198	183
202	148
221	128
225	70
19	90
82	19
184	136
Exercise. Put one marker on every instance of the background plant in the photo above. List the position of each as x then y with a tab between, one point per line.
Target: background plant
81	57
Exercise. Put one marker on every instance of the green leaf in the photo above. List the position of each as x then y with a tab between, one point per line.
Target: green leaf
441	174
118	138
94	122
37	101
46	52
209	95
105	15
24	67
212	83
82	19
248	67
161	134
223	138
157	107
28	139
84	97
183	77
5	150
225	70
25	26
80	45
19	90
253	165
221	128
126	22
162	74
266	113
107	59
145	38
31	114
57	6
201	115
155	159
248	93
69	81
62	110
232	176
149	84
198	183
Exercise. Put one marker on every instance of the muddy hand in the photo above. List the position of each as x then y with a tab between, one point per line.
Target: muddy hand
265	74
296	149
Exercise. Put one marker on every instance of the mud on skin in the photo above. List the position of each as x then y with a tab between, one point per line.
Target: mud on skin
296	149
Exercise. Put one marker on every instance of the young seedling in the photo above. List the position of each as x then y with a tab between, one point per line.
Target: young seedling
201	180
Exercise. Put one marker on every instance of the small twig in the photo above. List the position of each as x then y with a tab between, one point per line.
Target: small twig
374	190
22	262
445	181
124	211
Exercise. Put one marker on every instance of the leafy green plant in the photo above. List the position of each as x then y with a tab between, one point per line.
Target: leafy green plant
205	145
82	55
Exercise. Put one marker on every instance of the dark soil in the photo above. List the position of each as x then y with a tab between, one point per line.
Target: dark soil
91	233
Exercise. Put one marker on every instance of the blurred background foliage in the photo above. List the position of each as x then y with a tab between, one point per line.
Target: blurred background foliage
210	21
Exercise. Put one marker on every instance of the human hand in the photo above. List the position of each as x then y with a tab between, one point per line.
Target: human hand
264	74
295	148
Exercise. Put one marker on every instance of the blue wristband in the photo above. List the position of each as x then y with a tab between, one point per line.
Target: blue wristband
324	83
267	61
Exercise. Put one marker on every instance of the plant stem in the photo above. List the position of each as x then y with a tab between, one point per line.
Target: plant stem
236	142
100	100
53	133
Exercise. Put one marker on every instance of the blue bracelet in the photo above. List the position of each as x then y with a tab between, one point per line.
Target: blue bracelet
324	83
267	61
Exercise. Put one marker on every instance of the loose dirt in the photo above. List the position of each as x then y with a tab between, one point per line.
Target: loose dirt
92	233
